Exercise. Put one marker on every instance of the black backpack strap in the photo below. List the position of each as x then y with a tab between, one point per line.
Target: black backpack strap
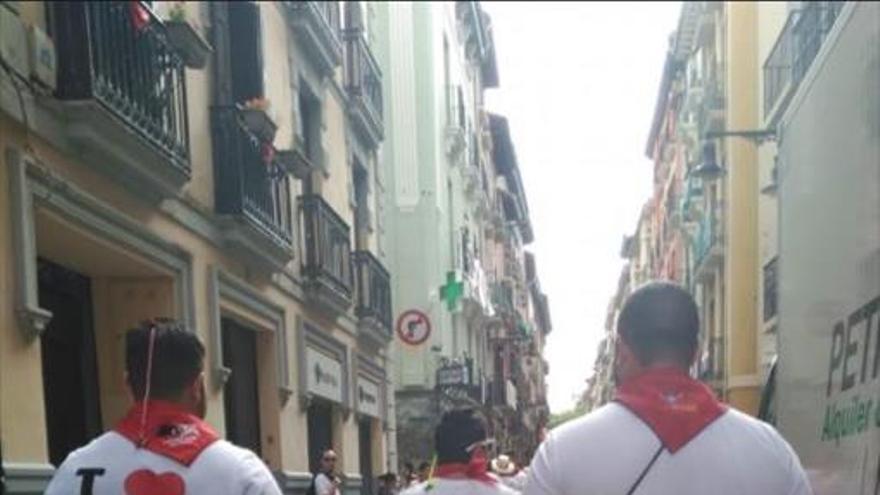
648	467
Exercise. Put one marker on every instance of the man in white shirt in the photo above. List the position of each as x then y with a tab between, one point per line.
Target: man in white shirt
664	432
162	446
462	463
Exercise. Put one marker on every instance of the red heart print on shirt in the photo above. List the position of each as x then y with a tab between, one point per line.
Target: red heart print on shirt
146	482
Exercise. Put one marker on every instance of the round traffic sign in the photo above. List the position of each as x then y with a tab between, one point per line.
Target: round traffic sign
413	327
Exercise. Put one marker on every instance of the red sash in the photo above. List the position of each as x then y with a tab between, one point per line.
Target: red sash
169	431
675	406
476	469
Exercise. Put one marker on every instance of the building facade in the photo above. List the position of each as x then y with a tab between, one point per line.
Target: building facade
713	216
457	224
237	190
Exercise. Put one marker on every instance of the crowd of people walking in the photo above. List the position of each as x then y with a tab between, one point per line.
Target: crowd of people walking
664	432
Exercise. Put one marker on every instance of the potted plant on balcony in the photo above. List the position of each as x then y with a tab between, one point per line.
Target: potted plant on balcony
185	39
255	115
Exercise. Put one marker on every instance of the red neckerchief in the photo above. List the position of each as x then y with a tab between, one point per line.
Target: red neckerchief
170	431
675	406
475	469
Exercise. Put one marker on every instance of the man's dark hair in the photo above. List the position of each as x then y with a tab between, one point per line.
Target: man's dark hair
178	356
424	465
456	432
660	322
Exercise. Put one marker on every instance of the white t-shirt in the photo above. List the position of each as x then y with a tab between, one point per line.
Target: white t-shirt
116	467
451	486
605	452
517	481
325	486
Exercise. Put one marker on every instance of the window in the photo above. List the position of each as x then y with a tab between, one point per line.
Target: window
310	125
245	51
770	289
363	216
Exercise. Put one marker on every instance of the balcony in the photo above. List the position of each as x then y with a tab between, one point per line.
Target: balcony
363	81
798	44
327	246
316	25
124	94
712	109
503	394
707	248
502	298
252	197
373	306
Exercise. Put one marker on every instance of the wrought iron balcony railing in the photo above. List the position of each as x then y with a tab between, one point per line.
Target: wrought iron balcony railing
317	25
118	54
707	244
798	44
503	297
327	263
373	289
247	187
363	80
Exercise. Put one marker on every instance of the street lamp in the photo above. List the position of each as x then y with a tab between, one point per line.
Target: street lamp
709	169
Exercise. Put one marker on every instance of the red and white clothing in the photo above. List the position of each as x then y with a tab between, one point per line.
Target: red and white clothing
172	453
470	478
324	485
463	486
701	446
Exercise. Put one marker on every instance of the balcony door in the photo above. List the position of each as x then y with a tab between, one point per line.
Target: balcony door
362	214
241	398
70	371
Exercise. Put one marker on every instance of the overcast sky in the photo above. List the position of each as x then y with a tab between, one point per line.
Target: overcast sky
578	84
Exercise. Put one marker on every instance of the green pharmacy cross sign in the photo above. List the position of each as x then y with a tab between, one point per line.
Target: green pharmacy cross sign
452	291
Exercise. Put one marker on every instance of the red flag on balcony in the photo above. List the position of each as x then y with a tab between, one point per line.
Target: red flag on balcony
140	17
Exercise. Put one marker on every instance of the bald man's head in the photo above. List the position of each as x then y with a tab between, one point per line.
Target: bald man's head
660	323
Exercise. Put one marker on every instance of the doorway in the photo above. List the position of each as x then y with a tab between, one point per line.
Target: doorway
69	362
241	399
320	435
365	453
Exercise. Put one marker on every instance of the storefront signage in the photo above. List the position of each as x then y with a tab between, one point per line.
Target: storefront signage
368	397
324	375
452	375
413	327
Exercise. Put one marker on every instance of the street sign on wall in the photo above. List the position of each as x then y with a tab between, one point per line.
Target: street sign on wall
413	327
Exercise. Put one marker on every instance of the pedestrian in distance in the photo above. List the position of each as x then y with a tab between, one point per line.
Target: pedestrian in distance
424	471
408	478
664	432
163	445
388	484
461	444
325	481
507	472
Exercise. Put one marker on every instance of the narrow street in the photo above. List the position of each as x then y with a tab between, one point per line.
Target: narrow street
376	248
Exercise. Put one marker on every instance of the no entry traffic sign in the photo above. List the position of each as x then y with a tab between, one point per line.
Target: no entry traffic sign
413	327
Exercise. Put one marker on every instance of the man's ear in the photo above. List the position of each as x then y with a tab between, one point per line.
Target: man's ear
197	388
